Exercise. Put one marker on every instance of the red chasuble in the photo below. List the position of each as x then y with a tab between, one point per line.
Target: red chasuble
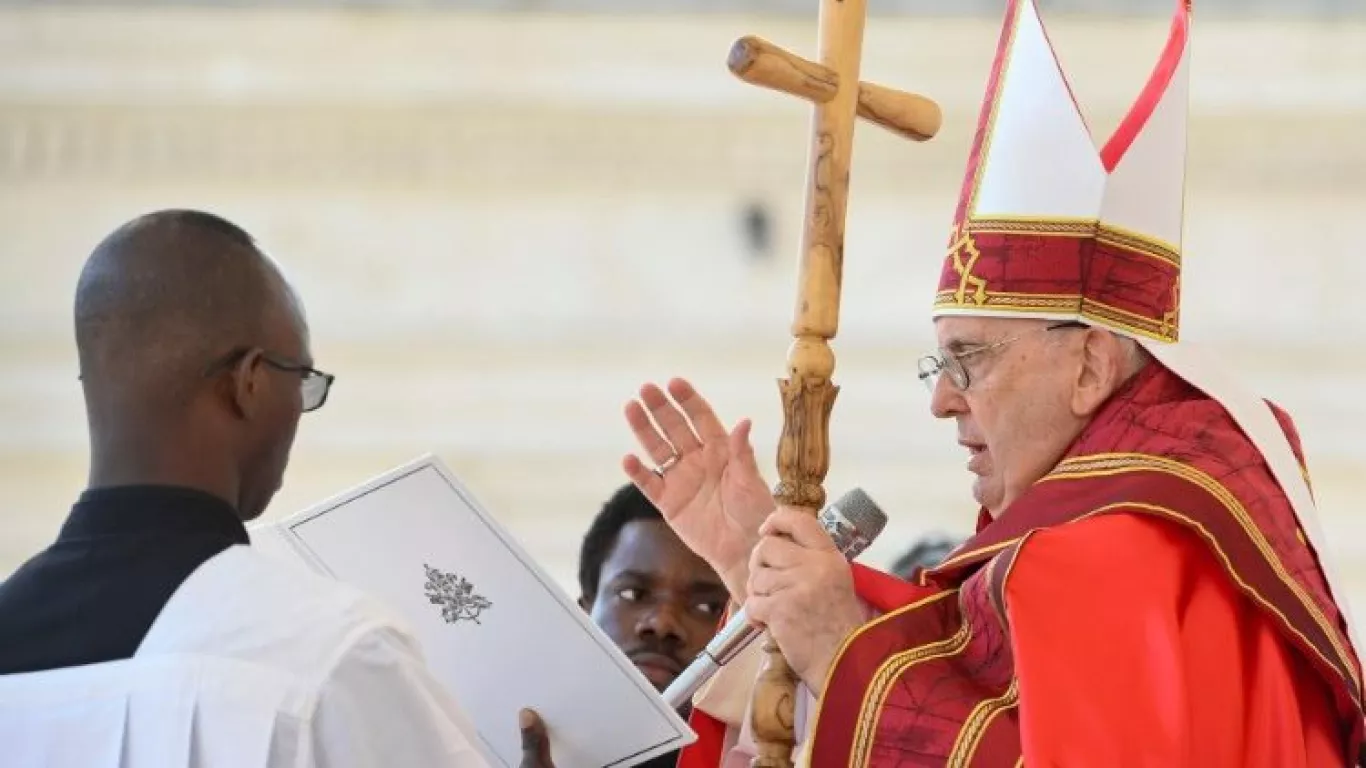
1149	602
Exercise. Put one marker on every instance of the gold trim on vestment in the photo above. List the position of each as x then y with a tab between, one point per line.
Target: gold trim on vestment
866	729
1104	465
977	723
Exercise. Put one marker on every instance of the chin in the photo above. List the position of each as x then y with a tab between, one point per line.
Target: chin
978	492
658	679
988	498
250	508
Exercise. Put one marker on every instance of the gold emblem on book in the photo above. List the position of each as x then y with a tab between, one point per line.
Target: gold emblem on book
456	596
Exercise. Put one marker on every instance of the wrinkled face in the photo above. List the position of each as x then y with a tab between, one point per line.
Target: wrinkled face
1016	417
659	602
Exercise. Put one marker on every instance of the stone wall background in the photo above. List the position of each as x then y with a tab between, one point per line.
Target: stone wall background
503	223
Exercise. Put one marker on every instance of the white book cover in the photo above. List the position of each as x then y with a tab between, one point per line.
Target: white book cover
495	628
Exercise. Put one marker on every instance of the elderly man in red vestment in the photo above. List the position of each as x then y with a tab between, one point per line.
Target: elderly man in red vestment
1146	586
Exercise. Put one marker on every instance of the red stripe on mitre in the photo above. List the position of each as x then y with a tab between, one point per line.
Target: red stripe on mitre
988	107
1075	270
1156	87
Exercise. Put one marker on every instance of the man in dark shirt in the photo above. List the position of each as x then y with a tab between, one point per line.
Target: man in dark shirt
195	366
195	363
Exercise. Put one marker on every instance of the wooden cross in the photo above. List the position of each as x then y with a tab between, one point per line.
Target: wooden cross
808	394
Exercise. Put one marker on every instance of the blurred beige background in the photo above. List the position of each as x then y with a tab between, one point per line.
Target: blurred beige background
502	223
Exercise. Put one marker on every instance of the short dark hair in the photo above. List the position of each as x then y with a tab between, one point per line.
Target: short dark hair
627	505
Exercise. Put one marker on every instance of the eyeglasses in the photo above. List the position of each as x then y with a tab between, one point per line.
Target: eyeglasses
951	363
314	384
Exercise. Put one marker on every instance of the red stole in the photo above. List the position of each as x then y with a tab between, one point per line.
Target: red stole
932	681
884	593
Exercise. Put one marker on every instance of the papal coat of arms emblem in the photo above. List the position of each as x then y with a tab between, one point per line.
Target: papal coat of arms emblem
456	596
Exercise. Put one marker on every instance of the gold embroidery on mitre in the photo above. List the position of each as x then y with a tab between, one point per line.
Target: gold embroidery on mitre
961	241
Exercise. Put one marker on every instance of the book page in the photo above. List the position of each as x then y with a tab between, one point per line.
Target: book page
495	628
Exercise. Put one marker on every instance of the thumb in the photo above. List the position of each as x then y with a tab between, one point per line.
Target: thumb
741	448
535	741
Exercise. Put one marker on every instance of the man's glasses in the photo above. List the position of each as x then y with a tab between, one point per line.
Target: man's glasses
944	363
314	384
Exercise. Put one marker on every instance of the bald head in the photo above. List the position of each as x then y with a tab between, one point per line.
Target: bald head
192	347
164	294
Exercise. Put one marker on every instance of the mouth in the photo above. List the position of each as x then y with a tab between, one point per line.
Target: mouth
976	455
658	668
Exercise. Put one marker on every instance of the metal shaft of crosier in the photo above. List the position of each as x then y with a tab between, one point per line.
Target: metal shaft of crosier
833	87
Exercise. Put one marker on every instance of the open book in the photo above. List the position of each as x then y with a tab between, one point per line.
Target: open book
496	630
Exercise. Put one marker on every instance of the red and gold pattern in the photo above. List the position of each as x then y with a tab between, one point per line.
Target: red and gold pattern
933	682
1048	226
1063	269
1019	263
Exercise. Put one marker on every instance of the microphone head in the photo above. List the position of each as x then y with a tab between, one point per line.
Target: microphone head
853	521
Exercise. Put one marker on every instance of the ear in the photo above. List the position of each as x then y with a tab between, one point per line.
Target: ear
1099	372
586	603
248	383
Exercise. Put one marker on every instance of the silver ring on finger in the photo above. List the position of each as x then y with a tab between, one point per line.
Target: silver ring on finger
666	465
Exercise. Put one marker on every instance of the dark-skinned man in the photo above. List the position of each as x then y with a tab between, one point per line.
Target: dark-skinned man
659	602
642	586
195	366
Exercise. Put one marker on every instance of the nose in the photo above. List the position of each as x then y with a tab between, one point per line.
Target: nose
946	401
663	620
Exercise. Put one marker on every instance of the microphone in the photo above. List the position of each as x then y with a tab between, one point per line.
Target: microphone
852	521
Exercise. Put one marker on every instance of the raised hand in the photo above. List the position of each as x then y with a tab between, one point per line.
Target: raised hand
707	483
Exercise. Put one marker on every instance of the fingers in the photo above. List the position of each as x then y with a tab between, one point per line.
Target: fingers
775	552
798	525
645	479
740	447
654	444
767	582
535	741
699	411
664	430
759	610
671	422
533	730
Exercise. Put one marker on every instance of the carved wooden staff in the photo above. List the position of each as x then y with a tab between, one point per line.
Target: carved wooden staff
808	393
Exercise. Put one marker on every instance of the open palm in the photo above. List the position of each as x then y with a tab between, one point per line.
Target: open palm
711	491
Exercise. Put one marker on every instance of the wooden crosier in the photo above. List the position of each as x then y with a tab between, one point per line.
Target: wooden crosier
808	394
759	62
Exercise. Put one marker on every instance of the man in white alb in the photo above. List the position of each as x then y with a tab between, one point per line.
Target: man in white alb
149	634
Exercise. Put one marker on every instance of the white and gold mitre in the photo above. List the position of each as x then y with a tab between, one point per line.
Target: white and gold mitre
1052	225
